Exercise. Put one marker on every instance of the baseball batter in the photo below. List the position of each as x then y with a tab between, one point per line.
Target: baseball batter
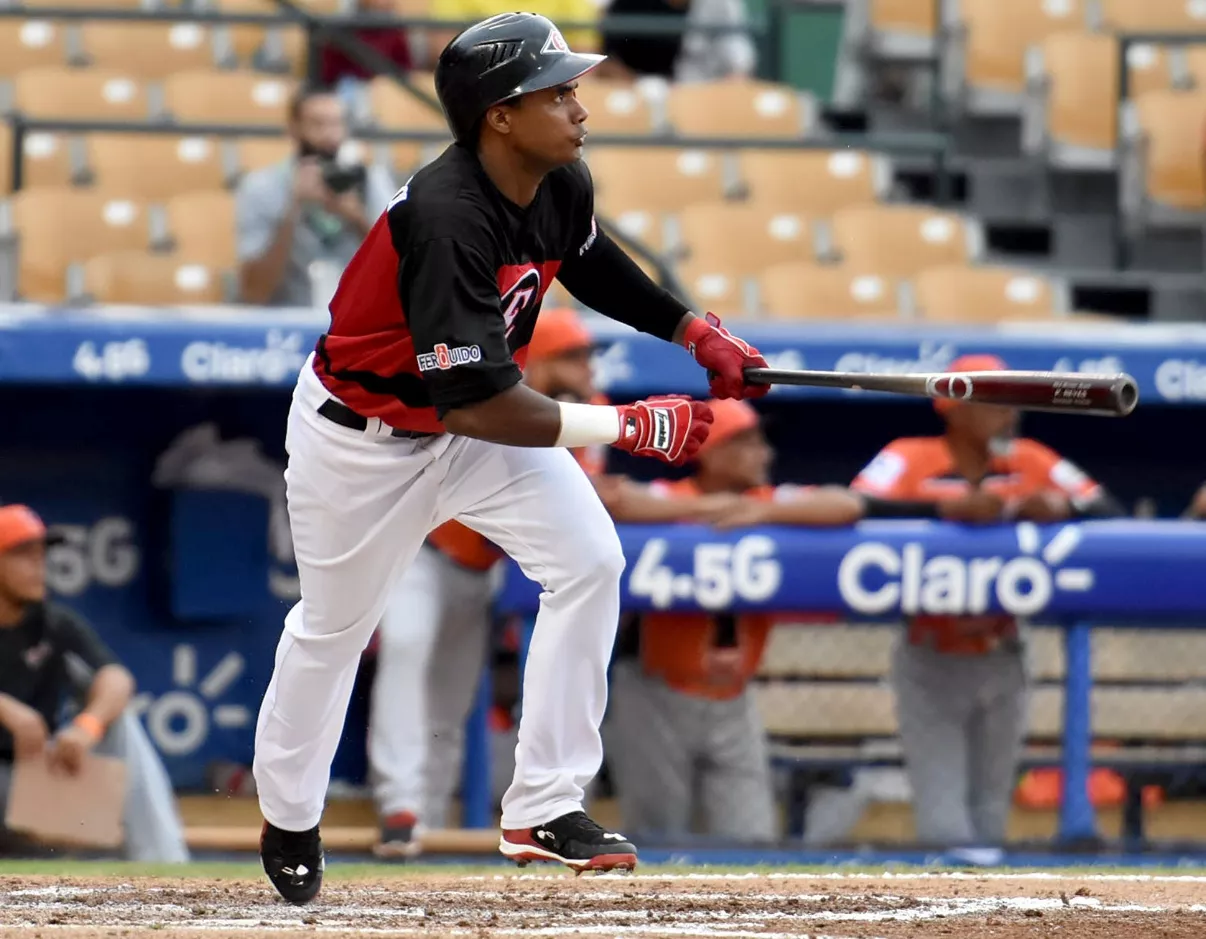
411	412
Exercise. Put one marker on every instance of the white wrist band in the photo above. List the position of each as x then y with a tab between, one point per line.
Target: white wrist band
584	425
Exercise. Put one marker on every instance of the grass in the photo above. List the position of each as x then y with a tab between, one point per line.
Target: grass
352	872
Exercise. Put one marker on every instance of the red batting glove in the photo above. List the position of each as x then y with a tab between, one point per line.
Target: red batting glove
725	357
670	428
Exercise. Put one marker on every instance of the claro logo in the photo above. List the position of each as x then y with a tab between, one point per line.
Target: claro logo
1181	380
876	578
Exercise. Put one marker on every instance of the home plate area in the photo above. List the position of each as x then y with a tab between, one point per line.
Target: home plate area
837	906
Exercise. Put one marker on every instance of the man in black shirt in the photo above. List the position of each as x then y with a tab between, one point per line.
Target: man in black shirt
411	413
37	641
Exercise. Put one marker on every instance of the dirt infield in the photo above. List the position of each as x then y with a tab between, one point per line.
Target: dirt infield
839	906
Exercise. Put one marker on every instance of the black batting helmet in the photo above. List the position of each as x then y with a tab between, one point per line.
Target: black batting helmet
506	55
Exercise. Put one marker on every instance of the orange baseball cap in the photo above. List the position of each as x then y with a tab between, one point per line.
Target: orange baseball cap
19	524
558	331
970	363
730	417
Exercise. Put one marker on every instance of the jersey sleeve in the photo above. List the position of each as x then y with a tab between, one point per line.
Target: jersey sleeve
449	293
74	635
1053	471
887	475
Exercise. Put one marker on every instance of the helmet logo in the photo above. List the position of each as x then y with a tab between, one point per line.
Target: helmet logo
555	43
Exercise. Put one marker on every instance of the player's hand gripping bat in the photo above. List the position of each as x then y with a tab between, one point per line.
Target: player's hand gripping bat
1065	392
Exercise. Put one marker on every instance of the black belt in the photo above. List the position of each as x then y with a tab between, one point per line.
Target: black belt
344	416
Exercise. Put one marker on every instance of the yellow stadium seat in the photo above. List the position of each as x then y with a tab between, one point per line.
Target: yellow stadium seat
1149	68
1077	121
154	167
799	290
396	108
83	4
1195	65
231	97
1153	16
57	227
202	227
97	94
147	279
255	153
286	41
900	29
615	107
1171	125
657	178
148	50
814	182
721	291
739	109
31	44
994	37
900	240
959	294
742	238
46	159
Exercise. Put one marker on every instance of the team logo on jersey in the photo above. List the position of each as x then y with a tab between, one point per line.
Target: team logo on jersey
521	297
442	358
590	239
555	43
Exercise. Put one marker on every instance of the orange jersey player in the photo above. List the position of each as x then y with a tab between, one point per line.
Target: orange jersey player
681	718
960	681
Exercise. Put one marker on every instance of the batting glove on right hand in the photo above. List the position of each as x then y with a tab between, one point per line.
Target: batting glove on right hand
670	428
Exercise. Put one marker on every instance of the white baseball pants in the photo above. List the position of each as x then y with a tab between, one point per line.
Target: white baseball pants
360	505
431	647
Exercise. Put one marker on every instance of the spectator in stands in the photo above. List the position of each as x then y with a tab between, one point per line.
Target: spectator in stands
689	56
960	681
47	653
682	720
433	638
460	13
1197	508
299	222
346	72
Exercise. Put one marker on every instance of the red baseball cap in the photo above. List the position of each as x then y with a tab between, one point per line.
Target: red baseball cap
19	524
558	331
730	417
981	362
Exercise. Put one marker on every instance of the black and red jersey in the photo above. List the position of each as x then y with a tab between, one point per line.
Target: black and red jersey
437	307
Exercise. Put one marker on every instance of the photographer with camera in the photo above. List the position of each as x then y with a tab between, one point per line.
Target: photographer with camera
299	222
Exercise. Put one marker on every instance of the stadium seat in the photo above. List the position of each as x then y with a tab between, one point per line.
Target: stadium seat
716	289
1072	87
900	240
83	4
395	108
1194	58
984	68
255	153
900	29
148	50
201	226
636	222
814	182
57	227
277	45
75	94
1162	179
155	167
739	109
987	294
798	290
616	108
143	278
31	44
229	97
46	159
742	238
1153	16
657	178
1149	68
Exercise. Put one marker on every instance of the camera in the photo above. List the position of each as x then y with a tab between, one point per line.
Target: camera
340	177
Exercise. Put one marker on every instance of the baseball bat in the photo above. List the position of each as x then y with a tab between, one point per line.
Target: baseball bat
1063	392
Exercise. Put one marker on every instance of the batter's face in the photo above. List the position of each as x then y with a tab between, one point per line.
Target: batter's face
320	125
741	463
548	127
23	573
983	423
566	377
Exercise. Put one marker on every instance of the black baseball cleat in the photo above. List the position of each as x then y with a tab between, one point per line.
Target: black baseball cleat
576	840
293	861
